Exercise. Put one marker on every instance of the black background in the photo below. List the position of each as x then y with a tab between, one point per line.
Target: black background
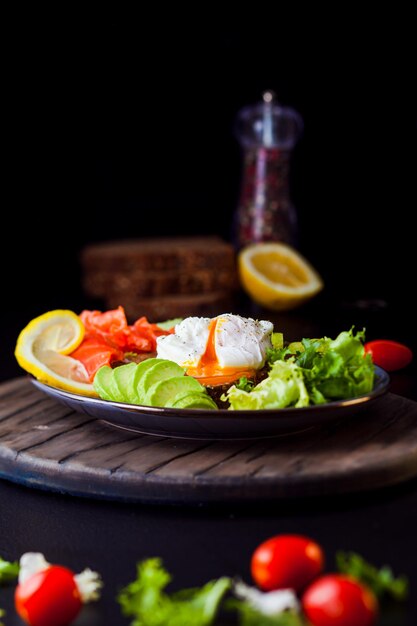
115	120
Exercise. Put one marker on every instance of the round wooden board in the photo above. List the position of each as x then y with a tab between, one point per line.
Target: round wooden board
46	445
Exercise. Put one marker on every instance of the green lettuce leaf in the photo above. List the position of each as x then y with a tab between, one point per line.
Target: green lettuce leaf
168	324
335	369
311	371
283	387
146	602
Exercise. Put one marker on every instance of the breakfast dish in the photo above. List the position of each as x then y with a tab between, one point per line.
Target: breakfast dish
150	377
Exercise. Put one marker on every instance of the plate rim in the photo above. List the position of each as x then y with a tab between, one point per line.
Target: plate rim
380	388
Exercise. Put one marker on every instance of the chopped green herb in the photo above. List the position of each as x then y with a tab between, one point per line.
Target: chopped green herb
277	340
245	384
275	354
8	571
382	581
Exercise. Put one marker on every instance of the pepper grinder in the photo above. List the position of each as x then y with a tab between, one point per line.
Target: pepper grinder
267	133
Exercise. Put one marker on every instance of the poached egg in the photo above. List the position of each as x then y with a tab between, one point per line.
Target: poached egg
218	350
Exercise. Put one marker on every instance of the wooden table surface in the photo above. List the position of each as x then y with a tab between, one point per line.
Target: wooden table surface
46	444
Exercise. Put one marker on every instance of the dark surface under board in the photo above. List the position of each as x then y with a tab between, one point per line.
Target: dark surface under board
47	445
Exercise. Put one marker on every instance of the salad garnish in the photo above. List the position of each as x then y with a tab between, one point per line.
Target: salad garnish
310	371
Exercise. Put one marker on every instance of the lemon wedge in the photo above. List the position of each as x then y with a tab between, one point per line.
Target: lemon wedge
43	346
277	276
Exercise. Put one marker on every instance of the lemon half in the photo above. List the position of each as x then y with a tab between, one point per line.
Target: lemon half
43	346
277	276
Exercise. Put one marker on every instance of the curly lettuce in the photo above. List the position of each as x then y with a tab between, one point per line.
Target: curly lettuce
311	371
283	387
336	369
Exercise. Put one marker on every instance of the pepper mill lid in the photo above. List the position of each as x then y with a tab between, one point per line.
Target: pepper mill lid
268	124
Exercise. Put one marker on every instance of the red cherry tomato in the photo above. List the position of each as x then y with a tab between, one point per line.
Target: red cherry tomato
338	600
48	598
286	562
388	354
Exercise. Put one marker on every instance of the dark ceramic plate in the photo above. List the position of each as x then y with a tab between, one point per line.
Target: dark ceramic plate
221	424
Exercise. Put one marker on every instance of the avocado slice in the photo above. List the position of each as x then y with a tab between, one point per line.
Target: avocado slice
165	391
161	370
101	382
195	400
123	375
141	368
153	382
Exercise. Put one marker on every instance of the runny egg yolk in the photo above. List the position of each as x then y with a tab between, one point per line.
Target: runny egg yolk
209	371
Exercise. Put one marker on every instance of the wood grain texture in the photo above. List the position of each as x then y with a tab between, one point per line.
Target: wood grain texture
46	445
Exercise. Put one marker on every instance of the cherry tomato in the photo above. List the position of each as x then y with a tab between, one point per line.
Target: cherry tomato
48	598
388	354
338	600
286	562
